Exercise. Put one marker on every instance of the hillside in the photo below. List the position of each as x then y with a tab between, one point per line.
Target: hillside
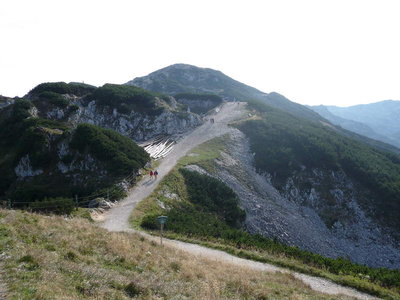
73	259
201	197
131	111
181	78
378	121
342	192
51	158
284	149
67	140
4	101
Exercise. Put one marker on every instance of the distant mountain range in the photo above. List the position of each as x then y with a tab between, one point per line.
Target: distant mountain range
379	121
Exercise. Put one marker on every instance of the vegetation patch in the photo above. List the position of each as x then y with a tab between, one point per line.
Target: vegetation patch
74	88
127	98
120	153
53	98
93	158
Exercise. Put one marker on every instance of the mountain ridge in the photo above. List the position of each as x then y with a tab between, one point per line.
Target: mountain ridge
377	120
181	78
330	173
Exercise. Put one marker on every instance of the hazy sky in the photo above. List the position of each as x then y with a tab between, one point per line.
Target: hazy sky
313	52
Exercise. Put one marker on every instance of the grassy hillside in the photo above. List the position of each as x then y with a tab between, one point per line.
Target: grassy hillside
55	258
58	159
284	144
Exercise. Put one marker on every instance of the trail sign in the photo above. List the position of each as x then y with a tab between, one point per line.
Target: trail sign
162	220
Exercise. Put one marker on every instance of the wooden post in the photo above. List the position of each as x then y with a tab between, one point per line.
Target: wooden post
162	229
162	220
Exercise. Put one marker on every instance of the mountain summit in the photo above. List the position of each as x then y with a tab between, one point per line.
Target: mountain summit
183	78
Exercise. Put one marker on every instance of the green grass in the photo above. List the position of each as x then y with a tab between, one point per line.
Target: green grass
199	226
205	154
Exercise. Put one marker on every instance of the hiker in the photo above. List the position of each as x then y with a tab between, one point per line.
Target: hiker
151	174
155	174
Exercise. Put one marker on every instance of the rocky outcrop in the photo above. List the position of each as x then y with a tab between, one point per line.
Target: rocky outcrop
24	168
138	126
135	125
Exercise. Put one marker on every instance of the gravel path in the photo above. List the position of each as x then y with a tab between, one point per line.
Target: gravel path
117	218
3	287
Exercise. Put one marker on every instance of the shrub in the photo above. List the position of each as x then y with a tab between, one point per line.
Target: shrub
54	98
78	89
121	155
59	205
126	98
133	289
210	194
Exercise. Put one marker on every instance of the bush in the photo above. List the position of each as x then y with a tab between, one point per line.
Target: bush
59	205
78	89
150	222
210	194
121	155
54	98
126	98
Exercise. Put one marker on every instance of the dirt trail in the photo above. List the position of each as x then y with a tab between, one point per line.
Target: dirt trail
117	218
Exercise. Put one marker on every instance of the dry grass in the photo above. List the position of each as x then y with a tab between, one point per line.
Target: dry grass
56	258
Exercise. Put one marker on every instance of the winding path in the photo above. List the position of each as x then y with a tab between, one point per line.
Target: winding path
117	218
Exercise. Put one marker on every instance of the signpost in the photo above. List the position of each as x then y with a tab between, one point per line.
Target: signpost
162	220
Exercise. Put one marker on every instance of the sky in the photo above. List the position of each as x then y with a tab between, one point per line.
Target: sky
313	52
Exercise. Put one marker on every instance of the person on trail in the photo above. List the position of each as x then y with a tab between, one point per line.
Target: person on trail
151	174
155	174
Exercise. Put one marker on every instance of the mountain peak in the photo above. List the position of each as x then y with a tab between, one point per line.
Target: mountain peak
185	78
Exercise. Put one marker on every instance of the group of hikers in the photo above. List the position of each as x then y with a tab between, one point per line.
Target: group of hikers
153	173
